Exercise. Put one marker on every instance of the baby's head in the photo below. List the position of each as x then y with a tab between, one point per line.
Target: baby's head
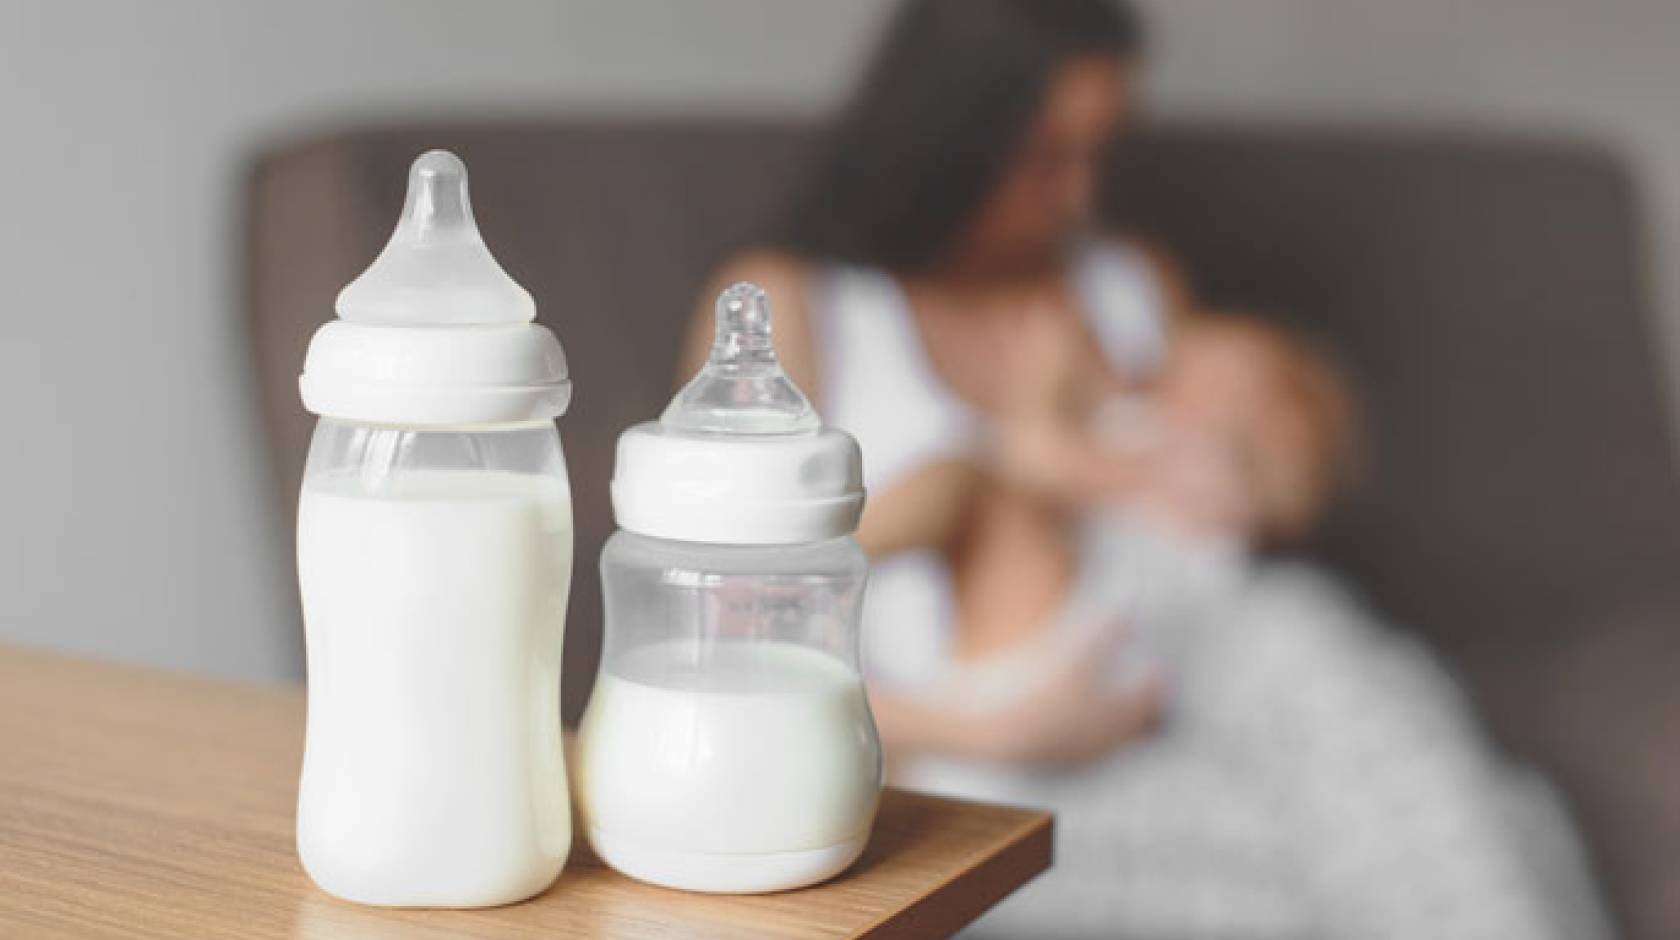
1270	411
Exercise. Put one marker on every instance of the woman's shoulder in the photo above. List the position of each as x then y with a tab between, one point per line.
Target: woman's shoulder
775	270
829	295
788	279
805	286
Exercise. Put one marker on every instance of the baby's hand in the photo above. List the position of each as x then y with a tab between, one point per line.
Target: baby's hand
1197	485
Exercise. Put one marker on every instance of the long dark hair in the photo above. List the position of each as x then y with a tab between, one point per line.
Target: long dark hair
942	108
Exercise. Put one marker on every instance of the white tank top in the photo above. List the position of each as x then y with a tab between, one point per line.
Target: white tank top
879	385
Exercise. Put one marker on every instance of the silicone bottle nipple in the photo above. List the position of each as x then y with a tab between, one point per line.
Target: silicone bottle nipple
742	388
436	269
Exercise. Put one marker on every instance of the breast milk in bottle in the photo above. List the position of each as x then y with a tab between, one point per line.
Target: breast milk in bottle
434	557
727	745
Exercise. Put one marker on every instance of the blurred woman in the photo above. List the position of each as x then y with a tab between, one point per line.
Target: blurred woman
1070	470
955	204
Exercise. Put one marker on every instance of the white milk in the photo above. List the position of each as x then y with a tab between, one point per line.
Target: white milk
764	747
433	773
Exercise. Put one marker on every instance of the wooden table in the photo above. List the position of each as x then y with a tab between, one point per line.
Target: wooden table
136	803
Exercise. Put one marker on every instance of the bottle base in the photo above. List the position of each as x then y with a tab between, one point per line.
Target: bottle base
431	900
389	884
725	872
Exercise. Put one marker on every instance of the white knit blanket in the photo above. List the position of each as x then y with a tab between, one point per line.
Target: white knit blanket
1318	775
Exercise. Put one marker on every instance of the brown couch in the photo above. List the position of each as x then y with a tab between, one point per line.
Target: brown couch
1487	294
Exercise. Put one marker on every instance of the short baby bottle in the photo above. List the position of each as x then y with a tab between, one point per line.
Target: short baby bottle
434	557
728	745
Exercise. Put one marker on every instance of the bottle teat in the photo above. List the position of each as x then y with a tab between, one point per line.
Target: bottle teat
436	269
742	388
434	333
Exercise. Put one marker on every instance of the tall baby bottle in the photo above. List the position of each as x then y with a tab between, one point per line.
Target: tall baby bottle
434	556
727	745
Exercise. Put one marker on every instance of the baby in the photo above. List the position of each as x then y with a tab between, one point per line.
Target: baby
1114	505
1243	435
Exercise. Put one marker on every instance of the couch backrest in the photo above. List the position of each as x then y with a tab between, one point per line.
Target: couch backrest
1486	295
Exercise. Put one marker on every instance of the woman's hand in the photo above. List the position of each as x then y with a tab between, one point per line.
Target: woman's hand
1064	709
1042	440
1077	716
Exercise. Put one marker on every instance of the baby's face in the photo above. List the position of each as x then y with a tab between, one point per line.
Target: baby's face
1237	452
1215	385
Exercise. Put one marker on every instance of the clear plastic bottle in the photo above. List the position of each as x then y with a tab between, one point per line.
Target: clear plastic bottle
728	744
434	557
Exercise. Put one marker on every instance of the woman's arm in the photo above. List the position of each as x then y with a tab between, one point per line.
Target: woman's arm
1072	716
925	508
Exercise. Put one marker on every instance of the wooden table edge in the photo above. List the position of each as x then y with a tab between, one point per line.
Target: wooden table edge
946	903
974	890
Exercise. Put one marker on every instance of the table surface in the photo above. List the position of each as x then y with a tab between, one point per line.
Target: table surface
136	803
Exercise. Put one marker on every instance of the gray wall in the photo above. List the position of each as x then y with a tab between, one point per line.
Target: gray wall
136	501
137	506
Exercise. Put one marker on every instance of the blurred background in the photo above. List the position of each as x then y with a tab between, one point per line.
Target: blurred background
150	147
132	131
